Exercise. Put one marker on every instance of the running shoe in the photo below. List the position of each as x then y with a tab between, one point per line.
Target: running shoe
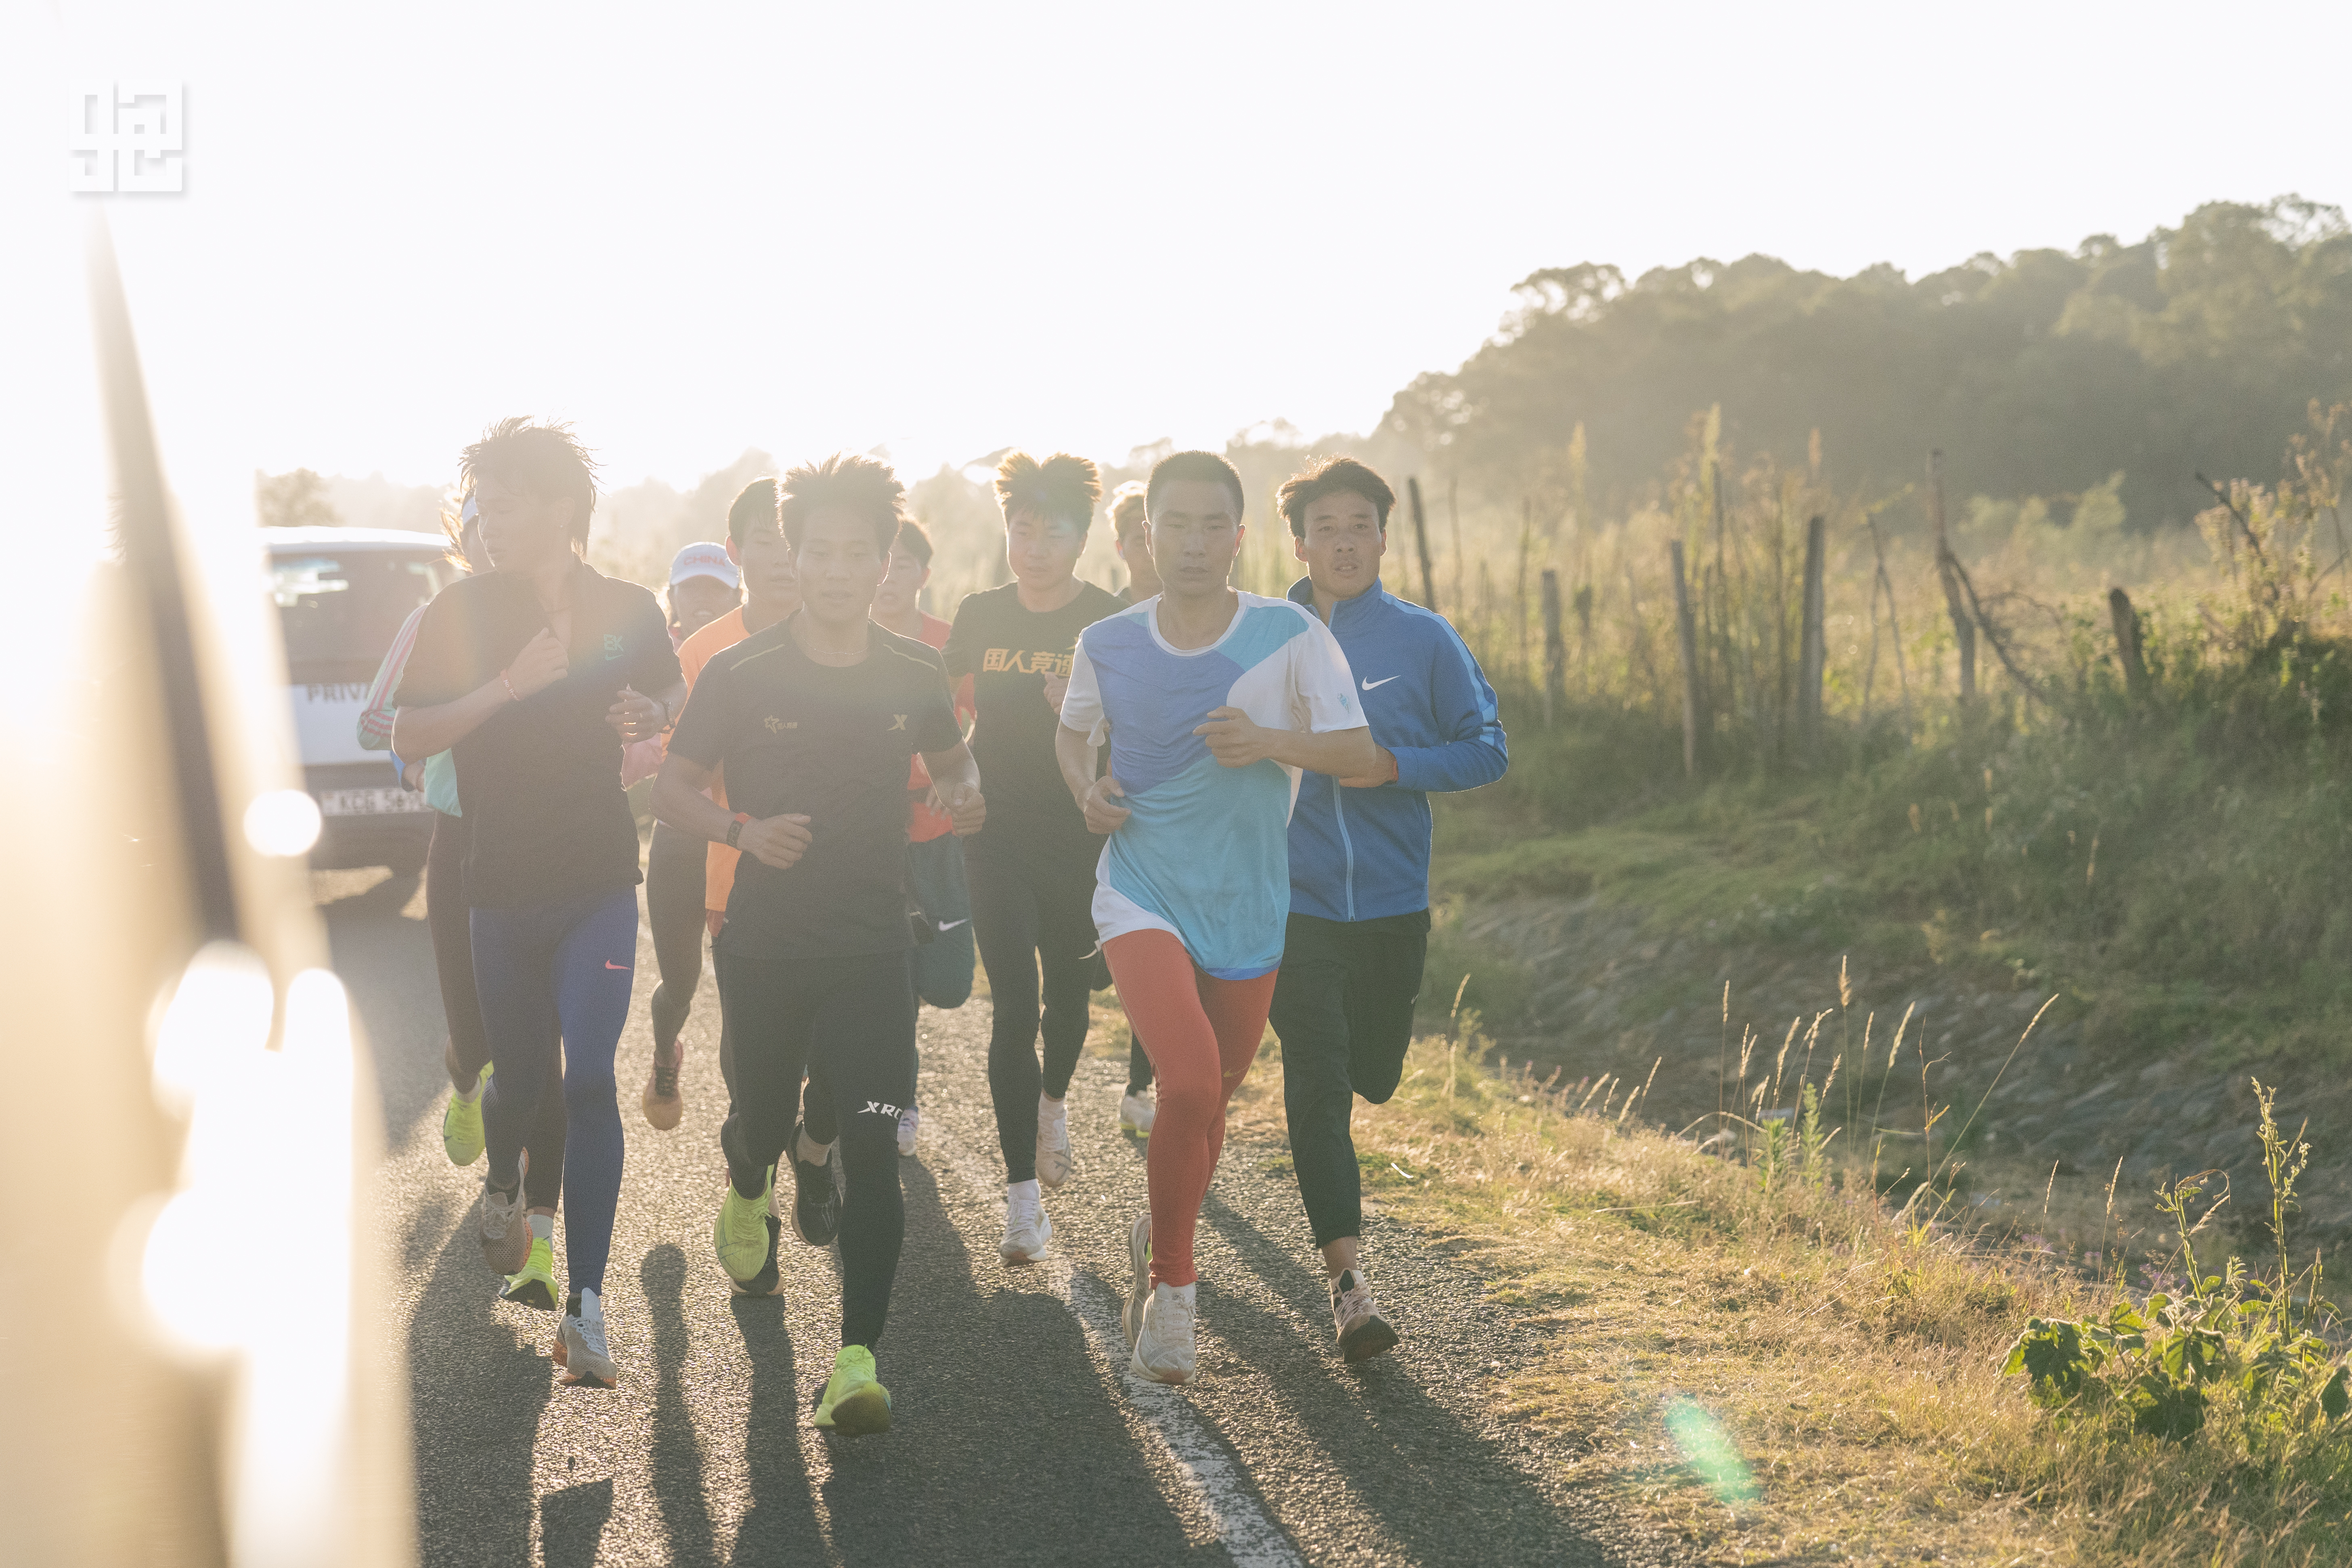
1164	1348
580	1348
503	1231
852	1403
1139	1253
461	1123
1363	1332
744	1245
908	1119
535	1286
1136	1111
1053	1142
664	1105
1028	1231
816	1194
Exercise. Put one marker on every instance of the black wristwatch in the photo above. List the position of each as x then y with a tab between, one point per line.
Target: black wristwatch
735	829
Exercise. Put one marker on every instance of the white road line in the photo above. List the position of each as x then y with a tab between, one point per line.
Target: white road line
1217	1487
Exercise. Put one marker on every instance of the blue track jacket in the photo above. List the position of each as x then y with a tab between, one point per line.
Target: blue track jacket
1362	853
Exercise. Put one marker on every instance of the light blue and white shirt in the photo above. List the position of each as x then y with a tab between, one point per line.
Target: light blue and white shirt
1205	853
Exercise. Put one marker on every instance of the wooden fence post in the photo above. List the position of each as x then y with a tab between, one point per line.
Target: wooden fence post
2126	624
1421	541
1687	644
1555	681
1948	570
1812	646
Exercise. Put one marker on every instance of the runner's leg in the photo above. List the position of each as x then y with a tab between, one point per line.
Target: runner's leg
514	964
446	918
768	1014
1157	985
1066	954
866	1034
1005	922
1383	987
594	967
675	864
1310	1016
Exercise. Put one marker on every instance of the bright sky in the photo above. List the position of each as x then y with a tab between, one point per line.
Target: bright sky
946	229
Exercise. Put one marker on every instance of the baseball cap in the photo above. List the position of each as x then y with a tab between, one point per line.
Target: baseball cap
704	559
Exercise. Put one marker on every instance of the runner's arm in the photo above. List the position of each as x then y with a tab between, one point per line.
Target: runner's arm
1462	702
1073	752
955	787
1236	741
421	732
678	800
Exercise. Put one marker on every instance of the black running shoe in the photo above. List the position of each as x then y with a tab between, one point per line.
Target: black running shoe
816	1196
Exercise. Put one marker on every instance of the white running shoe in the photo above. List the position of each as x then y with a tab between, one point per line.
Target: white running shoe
503	1231
1164	1351
1053	1142
908	1119
1139	1253
1136	1111
580	1348
1028	1231
1363	1329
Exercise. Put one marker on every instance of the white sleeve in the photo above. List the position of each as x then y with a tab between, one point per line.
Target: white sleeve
1082	706
1324	688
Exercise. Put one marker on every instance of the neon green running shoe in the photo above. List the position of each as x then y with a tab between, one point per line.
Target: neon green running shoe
739	1232
534	1286
852	1403
461	1123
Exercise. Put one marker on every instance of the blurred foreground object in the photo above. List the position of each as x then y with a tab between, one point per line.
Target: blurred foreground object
184	1308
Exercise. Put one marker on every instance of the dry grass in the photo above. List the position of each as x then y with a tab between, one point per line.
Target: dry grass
1793	1371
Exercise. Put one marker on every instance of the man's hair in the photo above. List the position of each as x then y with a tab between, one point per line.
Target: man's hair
1329	476
1127	507
754	506
543	460
918	542
1062	489
863	484
1181	466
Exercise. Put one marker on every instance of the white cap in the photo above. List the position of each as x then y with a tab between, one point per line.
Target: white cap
704	559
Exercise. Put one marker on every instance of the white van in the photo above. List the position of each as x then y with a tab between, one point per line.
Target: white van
341	594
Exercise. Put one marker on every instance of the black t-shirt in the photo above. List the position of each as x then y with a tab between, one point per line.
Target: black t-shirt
1007	651
540	780
831	743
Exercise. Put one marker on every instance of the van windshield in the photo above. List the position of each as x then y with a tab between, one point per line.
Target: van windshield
346	609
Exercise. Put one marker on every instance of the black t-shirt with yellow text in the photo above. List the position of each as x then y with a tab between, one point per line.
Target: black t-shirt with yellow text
1008	650
831	743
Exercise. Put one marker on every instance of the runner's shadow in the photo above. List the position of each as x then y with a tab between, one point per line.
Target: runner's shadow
676	1456
572	1523
781	1525
1433	1481
475	1395
990	1382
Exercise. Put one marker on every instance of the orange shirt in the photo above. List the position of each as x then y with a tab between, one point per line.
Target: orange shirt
718	879
923	824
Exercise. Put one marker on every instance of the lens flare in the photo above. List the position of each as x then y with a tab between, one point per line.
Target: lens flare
1709	1451
282	823
219	1012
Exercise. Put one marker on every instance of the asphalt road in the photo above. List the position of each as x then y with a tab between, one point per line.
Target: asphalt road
1018	1435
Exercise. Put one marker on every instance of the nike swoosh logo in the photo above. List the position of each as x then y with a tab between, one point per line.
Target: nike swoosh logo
950	925
1369	685
621	967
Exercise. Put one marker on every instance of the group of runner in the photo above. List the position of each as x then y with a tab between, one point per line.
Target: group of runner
1214	800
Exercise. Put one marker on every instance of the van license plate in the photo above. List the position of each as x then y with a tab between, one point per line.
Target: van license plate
383	800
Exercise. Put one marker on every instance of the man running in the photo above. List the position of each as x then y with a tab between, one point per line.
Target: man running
943	963
1031	870
704	585
815	720
1214	702
686	877
465	1050
1359	926
526	674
